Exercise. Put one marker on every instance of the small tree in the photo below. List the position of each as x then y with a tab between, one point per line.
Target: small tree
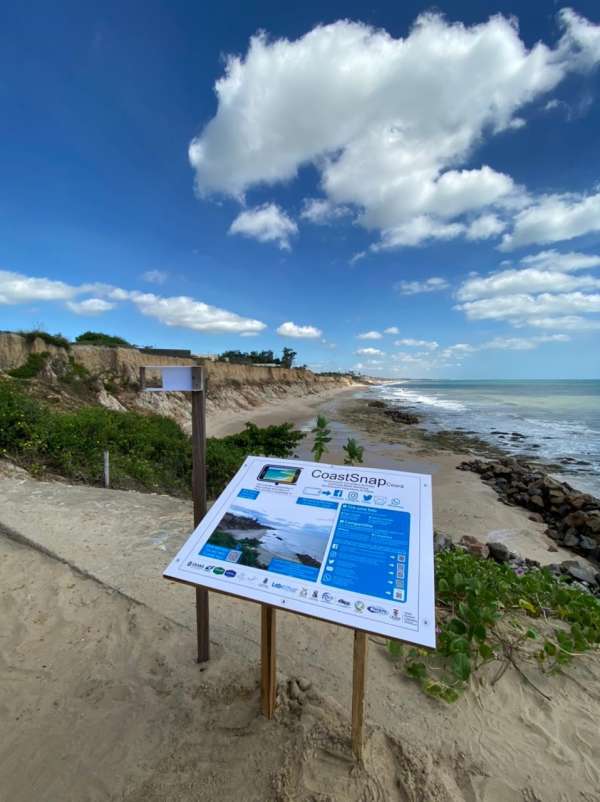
354	452
287	358
322	434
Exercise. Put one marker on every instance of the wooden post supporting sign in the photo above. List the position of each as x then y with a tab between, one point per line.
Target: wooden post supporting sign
199	496
268	661
359	675
191	379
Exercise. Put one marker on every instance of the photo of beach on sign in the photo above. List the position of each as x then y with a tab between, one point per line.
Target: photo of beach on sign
261	536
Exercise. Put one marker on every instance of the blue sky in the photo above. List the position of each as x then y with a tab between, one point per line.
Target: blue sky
354	171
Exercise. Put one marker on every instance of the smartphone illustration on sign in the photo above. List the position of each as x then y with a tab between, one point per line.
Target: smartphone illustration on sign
279	474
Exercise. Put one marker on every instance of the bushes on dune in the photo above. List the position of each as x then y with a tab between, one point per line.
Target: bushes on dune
31	368
100	338
50	339
147	451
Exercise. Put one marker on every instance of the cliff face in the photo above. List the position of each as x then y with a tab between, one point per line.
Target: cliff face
230	387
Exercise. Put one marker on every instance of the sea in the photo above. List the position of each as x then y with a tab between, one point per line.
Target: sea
554	421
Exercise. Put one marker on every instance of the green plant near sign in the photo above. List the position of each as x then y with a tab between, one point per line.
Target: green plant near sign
322	434
354	452
486	613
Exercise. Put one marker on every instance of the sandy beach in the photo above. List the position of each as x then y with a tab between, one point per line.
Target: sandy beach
104	701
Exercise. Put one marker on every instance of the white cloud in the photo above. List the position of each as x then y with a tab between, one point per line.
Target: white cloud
387	122
183	311
523	306
155	276
565	323
391	330
553	218
523	343
188	313
484	227
369	335
369	352
429	345
15	288
562	261
433	284
416	231
290	329
322	212
528	280
266	223
546	290
91	306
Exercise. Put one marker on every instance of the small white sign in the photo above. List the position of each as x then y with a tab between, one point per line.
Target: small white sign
177	379
351	545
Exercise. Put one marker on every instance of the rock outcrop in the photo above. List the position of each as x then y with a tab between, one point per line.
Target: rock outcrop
573	518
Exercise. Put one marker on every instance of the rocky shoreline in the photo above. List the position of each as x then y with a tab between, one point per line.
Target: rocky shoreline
573	518
585	577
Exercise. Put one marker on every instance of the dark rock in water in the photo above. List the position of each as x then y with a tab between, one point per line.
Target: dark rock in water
587	544
582	573
401	416
306	559
442	542
474	546
537	501
570	540
497	431
231	521
377	404
499	552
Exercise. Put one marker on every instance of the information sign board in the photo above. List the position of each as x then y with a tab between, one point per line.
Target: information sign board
352	545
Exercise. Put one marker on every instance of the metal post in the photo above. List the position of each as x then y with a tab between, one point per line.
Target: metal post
199	497
106	469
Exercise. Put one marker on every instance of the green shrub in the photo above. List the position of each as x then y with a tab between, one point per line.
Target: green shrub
99	338
31	368
149	451
77	376
486	613
225	455
271	441
50	339
322	434
21	421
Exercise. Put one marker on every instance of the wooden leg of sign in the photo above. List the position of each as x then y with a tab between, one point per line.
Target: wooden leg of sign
202	628
199	497
359	675
268	662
